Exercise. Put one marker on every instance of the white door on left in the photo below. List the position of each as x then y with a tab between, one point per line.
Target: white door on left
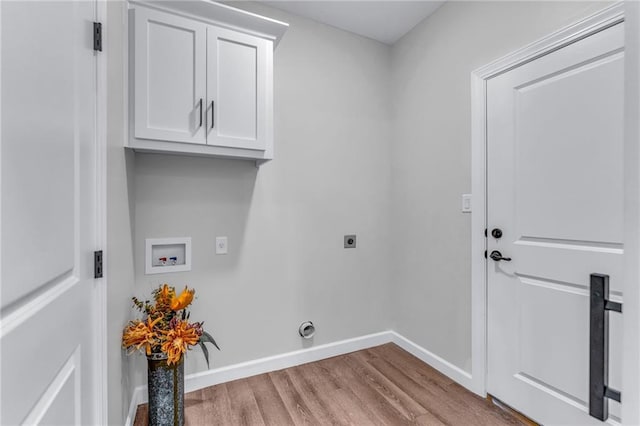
48	213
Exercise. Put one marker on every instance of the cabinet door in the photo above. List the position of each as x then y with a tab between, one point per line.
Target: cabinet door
169	77
239	86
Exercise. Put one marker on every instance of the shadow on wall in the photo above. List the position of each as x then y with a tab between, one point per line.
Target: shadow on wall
130	165
120	275
201	198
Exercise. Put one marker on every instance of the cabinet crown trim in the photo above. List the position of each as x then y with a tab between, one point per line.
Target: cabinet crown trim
221	15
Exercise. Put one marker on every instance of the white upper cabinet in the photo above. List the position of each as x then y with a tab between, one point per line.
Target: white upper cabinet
170	77
198	87
238	74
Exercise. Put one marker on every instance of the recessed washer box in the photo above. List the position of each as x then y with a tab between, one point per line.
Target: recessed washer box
167	255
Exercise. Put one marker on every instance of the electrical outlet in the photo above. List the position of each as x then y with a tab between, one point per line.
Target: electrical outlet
221	245
349	241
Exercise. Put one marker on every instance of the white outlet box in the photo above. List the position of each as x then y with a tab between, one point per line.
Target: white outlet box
222	245
167	255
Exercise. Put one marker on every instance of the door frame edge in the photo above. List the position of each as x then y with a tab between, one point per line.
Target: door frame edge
101	374
605	18
631	318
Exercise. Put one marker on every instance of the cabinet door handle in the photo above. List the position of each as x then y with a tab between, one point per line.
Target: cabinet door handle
200	112
213	123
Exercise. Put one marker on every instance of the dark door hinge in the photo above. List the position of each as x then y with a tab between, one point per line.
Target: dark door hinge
97	36
97	264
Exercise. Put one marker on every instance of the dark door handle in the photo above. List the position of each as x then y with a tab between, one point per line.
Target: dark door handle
600	305
200	112
497	256
213	120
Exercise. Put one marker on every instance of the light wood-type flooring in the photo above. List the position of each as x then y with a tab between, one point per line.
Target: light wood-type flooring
384	385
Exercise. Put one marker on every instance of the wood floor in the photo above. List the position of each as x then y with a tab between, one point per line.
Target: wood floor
384	385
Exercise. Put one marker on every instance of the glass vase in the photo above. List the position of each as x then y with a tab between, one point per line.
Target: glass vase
166	391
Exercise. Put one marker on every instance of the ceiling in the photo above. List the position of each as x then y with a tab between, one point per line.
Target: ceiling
385	21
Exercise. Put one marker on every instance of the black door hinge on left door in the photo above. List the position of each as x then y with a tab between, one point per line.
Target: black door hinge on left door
97	264
97	36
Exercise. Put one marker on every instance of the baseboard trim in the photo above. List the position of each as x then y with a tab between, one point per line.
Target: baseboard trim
216	376
282	361
454	372
136	399
291	359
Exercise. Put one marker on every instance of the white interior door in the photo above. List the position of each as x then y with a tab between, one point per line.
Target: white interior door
237	84
555	190
169	57
49	192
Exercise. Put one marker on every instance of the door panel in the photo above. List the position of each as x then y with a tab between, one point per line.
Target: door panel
170	85
65	393
40	383
33	102
236	89
547	151
47	324
237	100
555	188
565	345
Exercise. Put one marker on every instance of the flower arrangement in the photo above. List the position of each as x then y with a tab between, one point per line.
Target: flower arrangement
165	327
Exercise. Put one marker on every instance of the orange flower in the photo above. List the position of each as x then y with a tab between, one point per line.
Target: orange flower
182	301
164	296
178	340
139	334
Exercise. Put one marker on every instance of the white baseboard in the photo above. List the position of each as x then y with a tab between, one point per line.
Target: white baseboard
445	367
216	376
291	359
136	399
279	362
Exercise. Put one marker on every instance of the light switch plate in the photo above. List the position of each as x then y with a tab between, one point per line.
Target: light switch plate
222	245
466	203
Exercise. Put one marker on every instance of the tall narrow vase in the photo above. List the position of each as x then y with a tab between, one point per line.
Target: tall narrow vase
166	391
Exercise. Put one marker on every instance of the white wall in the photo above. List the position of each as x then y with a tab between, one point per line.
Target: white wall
285	221
119	253
369	140
431	158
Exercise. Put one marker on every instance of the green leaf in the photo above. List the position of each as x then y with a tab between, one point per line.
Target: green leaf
205	351
206	337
